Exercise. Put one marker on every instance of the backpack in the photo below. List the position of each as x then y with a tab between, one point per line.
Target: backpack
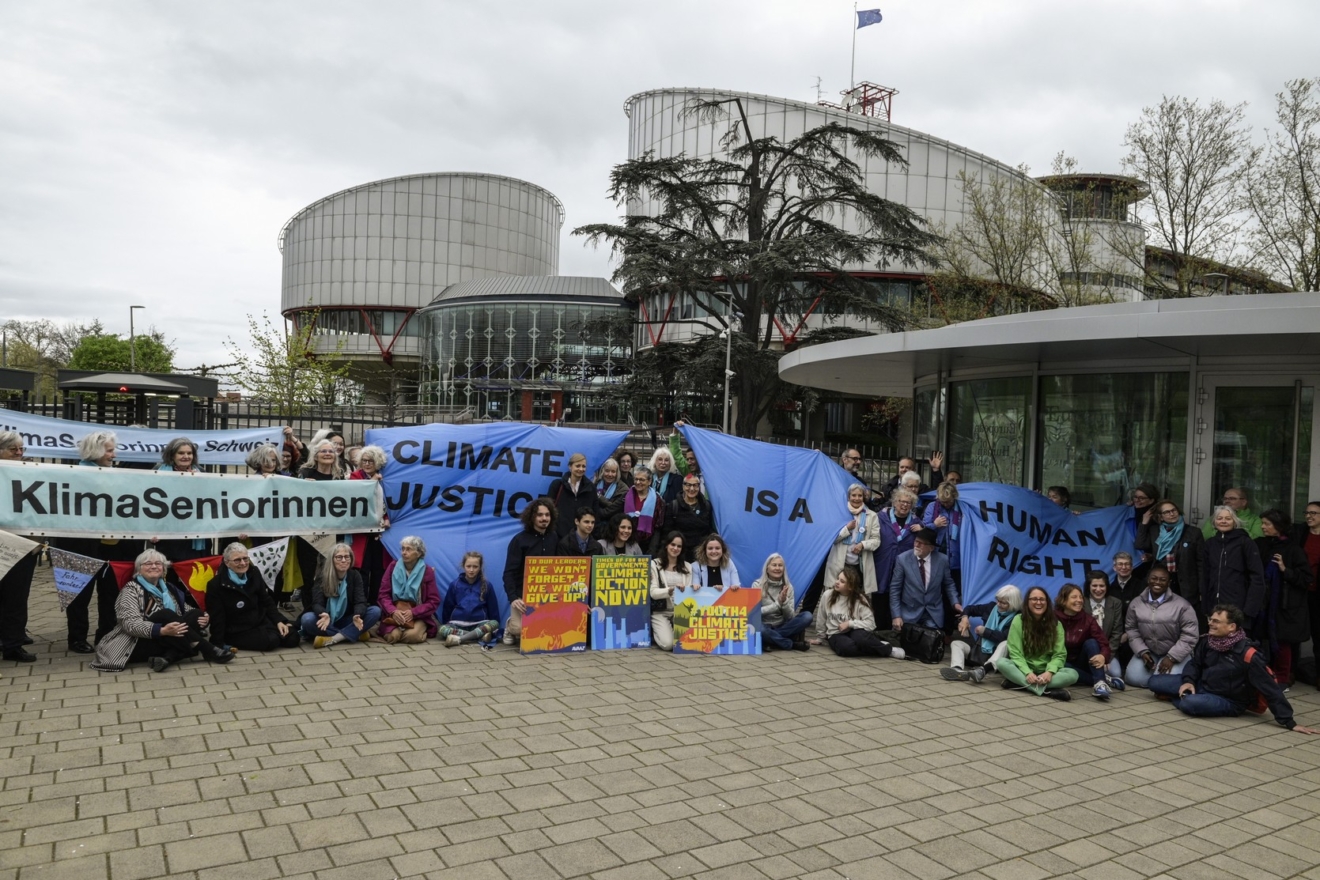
1256	705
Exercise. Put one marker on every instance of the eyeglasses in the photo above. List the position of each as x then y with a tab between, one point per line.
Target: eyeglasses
1169	511
343	556
1228	498
1137	496
239	559
152	565
1312	513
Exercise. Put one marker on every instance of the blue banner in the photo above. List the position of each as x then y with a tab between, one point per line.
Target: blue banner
463	487
58	438
1016	536
772	499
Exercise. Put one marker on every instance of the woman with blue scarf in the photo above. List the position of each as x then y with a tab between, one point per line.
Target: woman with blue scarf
1164	537
409	596
988	643
157	623
855	542
244	611
340	613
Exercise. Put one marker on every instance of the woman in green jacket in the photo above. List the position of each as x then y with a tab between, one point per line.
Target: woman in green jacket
1036	651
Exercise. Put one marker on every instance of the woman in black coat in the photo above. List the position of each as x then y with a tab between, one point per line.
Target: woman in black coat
244	613
1162	529
573	492
692	515
1231	573
1285	619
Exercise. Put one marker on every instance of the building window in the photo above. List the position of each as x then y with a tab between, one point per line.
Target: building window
988	422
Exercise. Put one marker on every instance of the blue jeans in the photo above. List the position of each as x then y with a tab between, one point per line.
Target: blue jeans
1138	675
782	636
1203	705
343	625
1086	673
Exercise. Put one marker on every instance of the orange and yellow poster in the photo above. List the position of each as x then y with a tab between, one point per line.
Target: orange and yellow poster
555	592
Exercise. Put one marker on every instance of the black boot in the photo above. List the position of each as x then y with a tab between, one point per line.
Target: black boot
212	654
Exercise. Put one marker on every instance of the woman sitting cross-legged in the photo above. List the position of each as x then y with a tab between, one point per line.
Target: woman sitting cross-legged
1087	645
156	623
669	574
845	620
409	597
340	612
244	612
1037	653
781	626
471	612
1161	628
990	642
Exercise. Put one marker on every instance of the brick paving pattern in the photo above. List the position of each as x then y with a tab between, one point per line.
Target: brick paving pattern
381	762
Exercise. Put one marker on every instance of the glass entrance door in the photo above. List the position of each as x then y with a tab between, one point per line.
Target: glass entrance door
1256	435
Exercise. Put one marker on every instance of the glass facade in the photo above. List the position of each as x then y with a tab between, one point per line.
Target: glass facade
1103	433
522	359
1255	432
989	420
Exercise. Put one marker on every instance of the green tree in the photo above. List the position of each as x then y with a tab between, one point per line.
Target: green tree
761	226
108	353
280	365
44	347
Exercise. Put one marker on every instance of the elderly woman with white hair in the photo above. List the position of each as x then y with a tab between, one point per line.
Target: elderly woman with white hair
987	642
264	460
368	553
324	463
1231	570
16	585
665	478
244	614
340	612
409	596
97	449
158	623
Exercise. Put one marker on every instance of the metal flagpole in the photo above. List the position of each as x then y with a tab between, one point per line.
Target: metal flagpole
852	71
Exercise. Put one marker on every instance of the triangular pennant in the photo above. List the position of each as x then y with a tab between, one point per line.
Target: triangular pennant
12	549
324	543
269	559
123	572
73	573
195	574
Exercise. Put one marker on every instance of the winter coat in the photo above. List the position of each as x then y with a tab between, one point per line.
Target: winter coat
132	609
607	548
891	547
1291	609
568	503
1186	568
357	598
568	546
1227	674
983	612
1076	630
236	608
1231	573
838	555
428	600
1166	628
696	521
464	603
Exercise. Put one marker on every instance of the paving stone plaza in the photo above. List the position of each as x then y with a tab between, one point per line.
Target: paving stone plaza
382	761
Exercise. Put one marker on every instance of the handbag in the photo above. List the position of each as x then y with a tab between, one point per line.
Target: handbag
922	643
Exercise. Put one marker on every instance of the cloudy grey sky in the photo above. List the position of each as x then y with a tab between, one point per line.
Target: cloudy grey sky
151	151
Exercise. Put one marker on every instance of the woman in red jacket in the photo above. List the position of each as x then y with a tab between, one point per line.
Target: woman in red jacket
1088	649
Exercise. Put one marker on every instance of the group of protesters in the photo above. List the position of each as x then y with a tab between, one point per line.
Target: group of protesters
1212	620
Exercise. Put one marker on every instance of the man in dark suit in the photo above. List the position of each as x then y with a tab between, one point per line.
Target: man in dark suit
921	582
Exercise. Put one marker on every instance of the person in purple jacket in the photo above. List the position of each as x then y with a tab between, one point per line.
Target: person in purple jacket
409	597
470	611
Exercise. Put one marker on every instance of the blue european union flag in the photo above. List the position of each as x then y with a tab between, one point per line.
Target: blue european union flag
867	16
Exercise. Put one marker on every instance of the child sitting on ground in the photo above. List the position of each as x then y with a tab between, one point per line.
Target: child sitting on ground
470	611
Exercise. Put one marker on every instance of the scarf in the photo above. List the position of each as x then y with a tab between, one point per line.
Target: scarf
1168	538
901	529
998	620
405	587
859	533
1226	643
160	593
662	482
607	491
337	604
1097	611
643	511
234	576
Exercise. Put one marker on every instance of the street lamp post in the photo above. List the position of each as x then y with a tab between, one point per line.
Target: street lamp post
132	341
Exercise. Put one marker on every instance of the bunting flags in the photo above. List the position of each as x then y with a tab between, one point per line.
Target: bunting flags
123	572
12	549
269	559
195	574
73	574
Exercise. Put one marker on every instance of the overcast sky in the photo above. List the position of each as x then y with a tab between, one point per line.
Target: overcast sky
151	151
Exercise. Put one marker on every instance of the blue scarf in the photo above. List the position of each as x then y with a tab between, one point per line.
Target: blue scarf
406	587
901	529
859	533
241	581
1168	538
337	604
645	514
662	483
161	593
997	621
605	491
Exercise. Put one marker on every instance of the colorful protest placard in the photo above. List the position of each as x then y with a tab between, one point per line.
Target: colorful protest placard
712	620
555	593
620	602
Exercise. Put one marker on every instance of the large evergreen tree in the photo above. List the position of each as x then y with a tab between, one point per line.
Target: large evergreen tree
767	225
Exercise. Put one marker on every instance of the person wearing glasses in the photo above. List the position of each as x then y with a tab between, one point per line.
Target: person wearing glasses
340	612
158	623
1164	537
1235	498
16	585
692	515
244	612
1037	653
851	461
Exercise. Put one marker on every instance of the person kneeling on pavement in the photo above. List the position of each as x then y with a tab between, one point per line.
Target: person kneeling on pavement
1224	675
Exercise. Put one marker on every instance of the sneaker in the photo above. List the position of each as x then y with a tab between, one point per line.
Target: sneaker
1063	695
953	673
487	643
801	646
1100	691
322	642
897	653
508	638
1007	685
977	675
159	664
451	640
365	637
1115	683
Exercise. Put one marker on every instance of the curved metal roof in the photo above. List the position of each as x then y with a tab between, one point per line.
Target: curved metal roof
1270	327
531	287
279	241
